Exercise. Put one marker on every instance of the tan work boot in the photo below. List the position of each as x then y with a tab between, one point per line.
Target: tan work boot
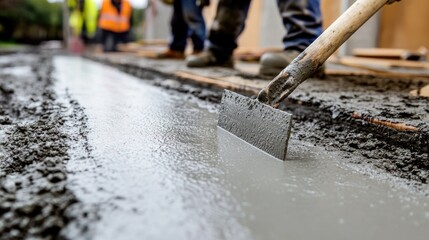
171	54
207	59
273	63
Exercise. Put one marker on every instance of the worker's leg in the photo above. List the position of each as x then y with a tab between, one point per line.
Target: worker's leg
179	32
303	24
108	40
302	20
123	37
179	28
193	16
227	26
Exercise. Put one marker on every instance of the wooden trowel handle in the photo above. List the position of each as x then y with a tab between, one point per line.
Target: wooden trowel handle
319	51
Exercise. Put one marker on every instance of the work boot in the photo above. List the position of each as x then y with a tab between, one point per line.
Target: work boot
273	63
171	54
207	59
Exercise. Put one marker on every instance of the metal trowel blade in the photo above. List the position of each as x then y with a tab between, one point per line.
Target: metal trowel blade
259	124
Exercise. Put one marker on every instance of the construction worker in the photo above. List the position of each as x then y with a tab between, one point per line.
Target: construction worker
115	22
187	22
301	19
83	18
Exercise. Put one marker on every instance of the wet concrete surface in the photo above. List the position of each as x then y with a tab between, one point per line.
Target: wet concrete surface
324	111
157	167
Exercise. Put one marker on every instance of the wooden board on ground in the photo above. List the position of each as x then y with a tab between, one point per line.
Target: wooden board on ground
422	92
391	53
388	68
147	54
361	61
339	69
154	42
252	55
216	82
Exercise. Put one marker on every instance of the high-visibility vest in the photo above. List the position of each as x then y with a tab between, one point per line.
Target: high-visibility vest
113	21
76	22
89	16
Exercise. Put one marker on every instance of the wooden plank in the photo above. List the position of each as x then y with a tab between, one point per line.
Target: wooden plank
422	92
252	54
147	54
153	42
353	69
215	82
393	53
368	72
389	63
129	47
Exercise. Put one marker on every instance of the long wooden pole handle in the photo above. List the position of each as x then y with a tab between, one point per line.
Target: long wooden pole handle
319	51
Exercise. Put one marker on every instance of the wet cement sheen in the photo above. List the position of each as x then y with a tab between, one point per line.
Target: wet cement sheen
162	170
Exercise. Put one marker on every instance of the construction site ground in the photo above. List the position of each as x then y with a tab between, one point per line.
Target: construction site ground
117	146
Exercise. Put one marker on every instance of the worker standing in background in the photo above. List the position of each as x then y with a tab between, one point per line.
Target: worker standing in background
301	19
187	22
115	22
83	23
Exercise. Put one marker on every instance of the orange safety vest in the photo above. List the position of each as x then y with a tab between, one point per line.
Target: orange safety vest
113	21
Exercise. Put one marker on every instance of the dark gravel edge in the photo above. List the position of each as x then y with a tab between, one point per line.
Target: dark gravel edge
35	201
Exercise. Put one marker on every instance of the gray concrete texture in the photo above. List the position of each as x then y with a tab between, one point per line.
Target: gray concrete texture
159	168
322	109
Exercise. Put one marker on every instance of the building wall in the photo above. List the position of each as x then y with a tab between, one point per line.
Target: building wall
157	26
251	37
272	30
405	24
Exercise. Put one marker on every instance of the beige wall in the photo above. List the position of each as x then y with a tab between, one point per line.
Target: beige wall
405	25
251	36
331	9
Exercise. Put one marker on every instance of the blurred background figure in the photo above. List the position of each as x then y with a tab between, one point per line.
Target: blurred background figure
83	23
115	22
187	22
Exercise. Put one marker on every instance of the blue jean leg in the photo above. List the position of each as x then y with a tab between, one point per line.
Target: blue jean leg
187	21
197	27
302	20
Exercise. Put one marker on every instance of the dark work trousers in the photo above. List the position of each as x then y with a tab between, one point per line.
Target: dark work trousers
301	19
187	22
111	40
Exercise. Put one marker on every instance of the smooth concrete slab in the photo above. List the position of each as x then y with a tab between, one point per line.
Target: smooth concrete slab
159	168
